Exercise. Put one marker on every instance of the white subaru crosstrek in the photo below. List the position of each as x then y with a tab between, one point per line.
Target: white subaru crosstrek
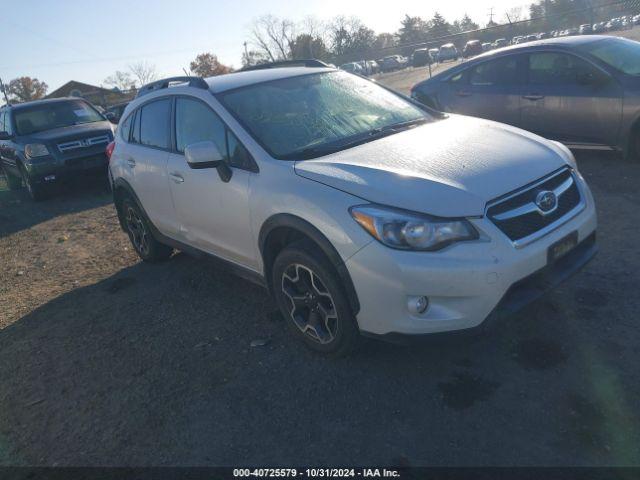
361	211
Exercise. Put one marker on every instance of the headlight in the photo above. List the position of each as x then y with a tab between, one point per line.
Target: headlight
33	150
411	231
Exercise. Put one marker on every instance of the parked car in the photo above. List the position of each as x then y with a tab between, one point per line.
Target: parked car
314	208
585	29
583	91
393	62
614	24
371	67
486	46
472	48
434	53
421	57
636	20
599	27
500	42
45	142
114	112
352	67
448	52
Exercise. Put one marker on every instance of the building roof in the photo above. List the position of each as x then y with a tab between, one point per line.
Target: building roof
75	85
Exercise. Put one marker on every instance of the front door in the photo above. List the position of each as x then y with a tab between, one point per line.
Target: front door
213	214
491	90
567	98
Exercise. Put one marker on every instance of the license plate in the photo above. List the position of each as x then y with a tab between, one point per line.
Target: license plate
562	247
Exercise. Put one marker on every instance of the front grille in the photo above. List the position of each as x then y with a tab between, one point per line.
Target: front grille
85	142
87	163
519	217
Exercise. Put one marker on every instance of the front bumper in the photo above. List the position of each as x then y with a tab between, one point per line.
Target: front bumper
468	283
51	170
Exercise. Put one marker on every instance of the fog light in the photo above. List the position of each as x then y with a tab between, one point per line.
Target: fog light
418	305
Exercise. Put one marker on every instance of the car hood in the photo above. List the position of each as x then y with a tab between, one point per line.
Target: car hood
71	132
448	168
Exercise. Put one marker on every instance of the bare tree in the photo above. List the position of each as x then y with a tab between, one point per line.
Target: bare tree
273	37
143	72
513	15
120	80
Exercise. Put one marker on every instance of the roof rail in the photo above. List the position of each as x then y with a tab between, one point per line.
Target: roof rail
309	63
197	82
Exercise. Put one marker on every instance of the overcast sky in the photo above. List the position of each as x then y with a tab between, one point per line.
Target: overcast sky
87	40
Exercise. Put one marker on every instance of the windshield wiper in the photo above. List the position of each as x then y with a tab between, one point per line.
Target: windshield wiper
326	149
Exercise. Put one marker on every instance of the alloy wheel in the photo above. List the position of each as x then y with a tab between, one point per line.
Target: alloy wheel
137	231
312	308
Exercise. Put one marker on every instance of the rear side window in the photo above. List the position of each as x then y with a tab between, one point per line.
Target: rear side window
124	128
135	134
557	69
2	117
503	71
154	123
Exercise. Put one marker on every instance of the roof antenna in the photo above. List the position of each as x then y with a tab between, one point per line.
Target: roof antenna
185	72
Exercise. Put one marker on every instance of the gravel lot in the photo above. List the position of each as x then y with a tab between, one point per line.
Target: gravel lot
106	361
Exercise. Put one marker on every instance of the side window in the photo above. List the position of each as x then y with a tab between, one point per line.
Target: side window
503	71
154	123
195	122
124	128
552	68
8	125
238	155
2	117
135	135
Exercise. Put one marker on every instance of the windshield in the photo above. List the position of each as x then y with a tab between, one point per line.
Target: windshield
47	116
621	54
313	115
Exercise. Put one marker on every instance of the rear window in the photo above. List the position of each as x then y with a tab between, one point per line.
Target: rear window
51	115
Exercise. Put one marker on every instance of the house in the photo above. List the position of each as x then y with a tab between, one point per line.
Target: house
102	97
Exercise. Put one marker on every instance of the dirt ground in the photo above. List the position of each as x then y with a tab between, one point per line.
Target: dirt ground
108	361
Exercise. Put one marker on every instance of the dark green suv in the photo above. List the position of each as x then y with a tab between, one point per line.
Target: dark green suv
47	141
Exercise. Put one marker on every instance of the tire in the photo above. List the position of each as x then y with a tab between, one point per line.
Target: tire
36	191
13	182
313	301
137	227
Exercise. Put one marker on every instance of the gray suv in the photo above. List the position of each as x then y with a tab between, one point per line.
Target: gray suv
582	91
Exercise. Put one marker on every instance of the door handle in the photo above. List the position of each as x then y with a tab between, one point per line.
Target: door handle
176	177
463	93
533	97
131	162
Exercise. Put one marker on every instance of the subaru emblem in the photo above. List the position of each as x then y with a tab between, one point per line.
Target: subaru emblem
546	201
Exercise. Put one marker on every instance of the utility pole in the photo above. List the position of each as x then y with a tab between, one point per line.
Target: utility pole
246	54
4	91
491	16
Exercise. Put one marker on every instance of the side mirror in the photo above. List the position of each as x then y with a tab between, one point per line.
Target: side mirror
206	155
111	116
5	136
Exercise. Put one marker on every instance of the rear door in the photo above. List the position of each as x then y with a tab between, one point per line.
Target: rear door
569	99
491	89
146	157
